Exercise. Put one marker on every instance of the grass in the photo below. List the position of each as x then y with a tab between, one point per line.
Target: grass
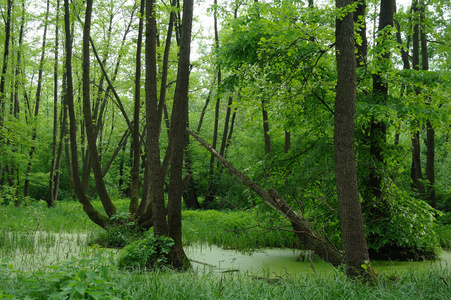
35	231
234	230
98	278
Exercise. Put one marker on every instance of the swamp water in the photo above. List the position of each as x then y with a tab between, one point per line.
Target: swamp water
287	262
36	250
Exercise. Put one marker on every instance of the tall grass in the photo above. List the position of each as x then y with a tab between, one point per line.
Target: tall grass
234	230
98	278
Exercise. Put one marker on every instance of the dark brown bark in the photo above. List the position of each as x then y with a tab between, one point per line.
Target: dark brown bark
108	205
210	190
226	127
416	172
430	132
266	129
378	129
18	80
5	61
352	227
153	121
92	213
51	199
202	114
136	145
287	141
310	239
179	121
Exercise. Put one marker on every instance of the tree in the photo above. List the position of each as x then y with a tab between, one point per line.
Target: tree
352	228
179	138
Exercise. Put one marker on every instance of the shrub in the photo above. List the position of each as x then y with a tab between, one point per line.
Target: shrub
405	231
120	233
146	253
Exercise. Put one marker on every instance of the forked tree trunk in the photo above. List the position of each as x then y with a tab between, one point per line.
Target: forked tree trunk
92	213
153	120
108	205
179	121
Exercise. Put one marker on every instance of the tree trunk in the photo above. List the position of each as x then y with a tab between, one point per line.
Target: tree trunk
209	197
136	145
226	127
153	120
92	213
430	132
353	230
310	239
37	104
110	209
416	172
5	62
179	120
266	129
51	200
378	128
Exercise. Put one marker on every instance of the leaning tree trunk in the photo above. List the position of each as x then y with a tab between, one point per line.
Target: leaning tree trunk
92	213
309	238
353	230
110	209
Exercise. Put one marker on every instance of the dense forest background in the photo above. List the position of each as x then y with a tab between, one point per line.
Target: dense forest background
82	118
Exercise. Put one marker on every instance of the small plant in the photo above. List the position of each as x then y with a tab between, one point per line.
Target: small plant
86	278
146	253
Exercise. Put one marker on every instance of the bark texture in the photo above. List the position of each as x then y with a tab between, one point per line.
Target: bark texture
352	227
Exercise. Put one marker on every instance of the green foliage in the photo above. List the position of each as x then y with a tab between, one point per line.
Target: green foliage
405	224
98	278
148	253
85	278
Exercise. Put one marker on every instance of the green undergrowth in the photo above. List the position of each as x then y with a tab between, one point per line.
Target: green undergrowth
65	216
235	230
98	277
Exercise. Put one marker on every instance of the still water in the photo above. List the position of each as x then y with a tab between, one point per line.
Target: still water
39	249
283	262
